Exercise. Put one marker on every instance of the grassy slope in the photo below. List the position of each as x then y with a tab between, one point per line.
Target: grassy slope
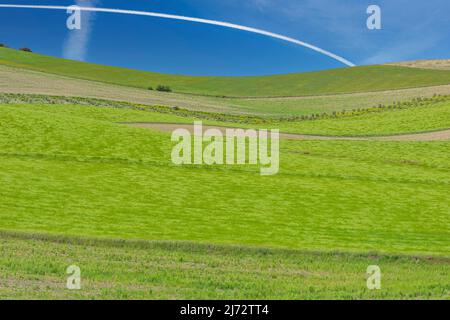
69	170
32	266
431	117
329	103
27	81
77	175
360	79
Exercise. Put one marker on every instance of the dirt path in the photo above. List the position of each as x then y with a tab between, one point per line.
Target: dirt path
426	136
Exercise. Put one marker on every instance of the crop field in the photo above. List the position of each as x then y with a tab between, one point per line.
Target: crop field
427	117
82	186
330	103
21	81
376	78
31	266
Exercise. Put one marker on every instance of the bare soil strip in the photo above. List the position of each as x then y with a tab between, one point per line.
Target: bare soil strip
14	80
436	64
22	81
398	94
442	135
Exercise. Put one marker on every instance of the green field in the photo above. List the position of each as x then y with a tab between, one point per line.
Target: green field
328	103
349	80
33	266
428	117
80	188
26	81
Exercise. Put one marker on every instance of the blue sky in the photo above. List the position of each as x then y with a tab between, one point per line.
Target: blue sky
411	29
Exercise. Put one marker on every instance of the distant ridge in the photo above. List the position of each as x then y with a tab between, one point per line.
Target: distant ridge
435	64
335	81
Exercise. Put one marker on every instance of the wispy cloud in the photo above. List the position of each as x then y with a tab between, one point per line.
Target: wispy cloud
409	42
412	29
77	41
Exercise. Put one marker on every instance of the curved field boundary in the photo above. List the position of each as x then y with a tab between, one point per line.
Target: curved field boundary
23	81
443	89
335	81
441	135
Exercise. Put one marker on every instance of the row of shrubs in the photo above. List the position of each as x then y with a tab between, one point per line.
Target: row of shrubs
416	102
161	88
14	98
251	119
2	45
248	119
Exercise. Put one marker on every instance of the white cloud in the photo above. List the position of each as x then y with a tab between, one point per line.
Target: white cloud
77	41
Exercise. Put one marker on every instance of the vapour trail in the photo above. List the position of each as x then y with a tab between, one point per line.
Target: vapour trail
191	19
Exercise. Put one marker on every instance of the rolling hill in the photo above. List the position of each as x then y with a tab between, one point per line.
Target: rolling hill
337	81
72	170
82	186
435	64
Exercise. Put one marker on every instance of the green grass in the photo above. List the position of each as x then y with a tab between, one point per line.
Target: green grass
33	267
428	117
79	188
346	80
68	90
69	171
76	173
328	104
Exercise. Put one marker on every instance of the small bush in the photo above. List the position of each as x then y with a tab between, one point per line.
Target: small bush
150	88
2	45
163	88
25	49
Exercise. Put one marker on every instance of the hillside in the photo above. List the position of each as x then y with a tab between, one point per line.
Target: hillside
436	64
176	270
23	81
78	187
346	80
100	179
87	180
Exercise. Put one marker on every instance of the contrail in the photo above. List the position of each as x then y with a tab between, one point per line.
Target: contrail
191	19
